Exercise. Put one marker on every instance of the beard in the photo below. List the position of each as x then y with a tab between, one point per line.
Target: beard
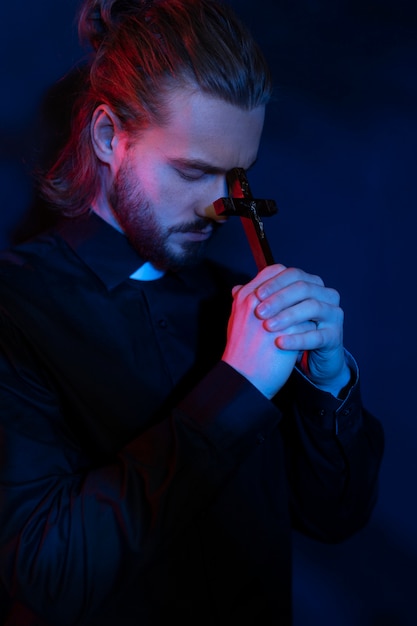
139	222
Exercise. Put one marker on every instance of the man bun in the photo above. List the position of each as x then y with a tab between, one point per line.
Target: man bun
98	18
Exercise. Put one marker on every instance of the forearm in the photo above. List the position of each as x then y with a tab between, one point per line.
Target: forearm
334	449
64	520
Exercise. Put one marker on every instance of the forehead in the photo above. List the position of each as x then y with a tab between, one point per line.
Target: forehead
205	128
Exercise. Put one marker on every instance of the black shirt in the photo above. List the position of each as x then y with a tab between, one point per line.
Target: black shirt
141	478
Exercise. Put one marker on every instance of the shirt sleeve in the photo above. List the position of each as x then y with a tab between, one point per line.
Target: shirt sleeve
71	531
333	451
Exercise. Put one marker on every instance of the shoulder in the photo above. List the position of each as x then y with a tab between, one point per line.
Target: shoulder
31	269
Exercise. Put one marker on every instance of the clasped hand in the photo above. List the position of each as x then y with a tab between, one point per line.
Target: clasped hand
279	315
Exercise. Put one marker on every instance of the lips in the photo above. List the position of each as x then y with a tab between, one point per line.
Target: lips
199	235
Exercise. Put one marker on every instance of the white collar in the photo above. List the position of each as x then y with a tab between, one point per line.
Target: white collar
147	272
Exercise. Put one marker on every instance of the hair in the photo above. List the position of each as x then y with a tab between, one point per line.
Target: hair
140	50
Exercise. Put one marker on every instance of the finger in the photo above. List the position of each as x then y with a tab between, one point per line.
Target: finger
252	285
288	276
297	292
268	273
298	303
301	328
310	340
322	313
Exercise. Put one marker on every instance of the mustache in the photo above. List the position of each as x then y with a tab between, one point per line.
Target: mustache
196	226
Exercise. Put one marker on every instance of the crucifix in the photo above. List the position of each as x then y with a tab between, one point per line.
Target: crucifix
250	210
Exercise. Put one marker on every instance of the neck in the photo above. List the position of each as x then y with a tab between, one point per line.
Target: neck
102	207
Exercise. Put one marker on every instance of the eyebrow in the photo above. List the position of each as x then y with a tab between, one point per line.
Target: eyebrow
198	164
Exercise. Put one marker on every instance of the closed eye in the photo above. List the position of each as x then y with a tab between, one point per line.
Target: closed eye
195	175
195	169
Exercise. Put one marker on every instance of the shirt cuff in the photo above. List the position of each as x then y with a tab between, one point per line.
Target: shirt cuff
227	408
323	408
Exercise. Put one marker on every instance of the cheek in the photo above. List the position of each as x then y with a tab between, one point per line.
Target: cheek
152	184
157	182
173	197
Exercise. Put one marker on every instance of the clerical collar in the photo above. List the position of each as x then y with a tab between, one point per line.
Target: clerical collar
104	249
108	253
147	271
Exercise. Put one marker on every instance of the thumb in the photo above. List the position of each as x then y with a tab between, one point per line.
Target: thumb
236	290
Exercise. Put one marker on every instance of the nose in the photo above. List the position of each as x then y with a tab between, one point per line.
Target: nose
218	190
223	188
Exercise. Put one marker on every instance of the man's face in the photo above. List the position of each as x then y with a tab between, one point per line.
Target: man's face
170	175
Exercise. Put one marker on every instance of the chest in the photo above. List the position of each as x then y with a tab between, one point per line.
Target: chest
120	360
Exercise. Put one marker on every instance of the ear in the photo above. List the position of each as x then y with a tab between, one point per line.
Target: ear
106	135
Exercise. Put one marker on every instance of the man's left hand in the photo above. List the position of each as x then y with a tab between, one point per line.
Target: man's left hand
293	298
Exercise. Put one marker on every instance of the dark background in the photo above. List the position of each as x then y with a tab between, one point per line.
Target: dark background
339	157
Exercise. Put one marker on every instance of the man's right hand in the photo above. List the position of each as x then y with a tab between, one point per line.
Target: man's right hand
251	349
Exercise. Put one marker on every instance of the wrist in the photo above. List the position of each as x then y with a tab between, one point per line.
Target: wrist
337	384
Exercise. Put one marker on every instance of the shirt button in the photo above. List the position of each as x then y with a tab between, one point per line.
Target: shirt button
346	411
162	323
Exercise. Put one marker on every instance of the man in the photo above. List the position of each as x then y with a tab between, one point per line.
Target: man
159	441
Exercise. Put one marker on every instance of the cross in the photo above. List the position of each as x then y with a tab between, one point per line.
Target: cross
242	203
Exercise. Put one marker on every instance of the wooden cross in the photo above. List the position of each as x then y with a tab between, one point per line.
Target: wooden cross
242	203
